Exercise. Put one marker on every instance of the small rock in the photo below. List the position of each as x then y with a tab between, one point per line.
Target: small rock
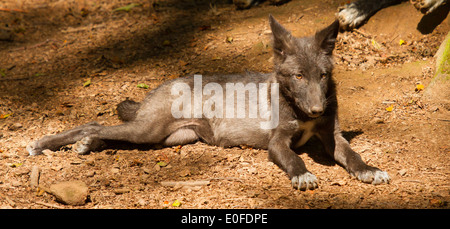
147	170
21	171
145	179
369	192
121	190
104	182
70	192
263	196
115	170
57	167
185	172
90	173
253	170
16	183
48	152
142	202
15	126
378	120
76	162
90	162
339	183
34	176
402	172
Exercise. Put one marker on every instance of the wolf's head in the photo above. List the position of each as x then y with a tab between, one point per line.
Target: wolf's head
303	67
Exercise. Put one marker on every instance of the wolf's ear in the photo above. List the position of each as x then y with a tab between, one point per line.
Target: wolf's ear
282	39
326	38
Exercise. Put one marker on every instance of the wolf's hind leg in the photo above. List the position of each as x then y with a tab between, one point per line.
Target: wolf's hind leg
91	137
54	142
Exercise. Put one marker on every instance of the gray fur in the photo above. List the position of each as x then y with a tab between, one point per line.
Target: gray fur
307	107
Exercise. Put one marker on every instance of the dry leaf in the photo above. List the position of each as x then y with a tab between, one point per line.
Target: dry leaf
15	165
436	203
87	83
5	116
183	63
176	203
375	44
178	148
162	164
173	76
127	8
390	108
143	85
420	87
166	204
229	39
136	162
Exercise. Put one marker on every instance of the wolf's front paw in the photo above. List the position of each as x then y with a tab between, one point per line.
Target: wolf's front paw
305	181
427	6
373	176
350	17
33	149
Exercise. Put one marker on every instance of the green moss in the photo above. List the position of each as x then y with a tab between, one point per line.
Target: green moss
444	66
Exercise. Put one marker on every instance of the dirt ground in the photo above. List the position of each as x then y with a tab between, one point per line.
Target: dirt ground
66	63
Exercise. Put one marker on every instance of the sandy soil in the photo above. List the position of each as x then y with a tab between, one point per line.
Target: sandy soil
57	46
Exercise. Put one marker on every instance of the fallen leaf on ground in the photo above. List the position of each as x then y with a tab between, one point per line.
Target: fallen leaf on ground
143	85
176	203
5	116
390	108
87	83
183	63
229	39
162	163
136	162
375	44
436	203
166	204
127	8
173	76
15	165
178	148
420	87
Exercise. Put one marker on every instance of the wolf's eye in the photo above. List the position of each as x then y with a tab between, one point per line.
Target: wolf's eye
299	76
323	75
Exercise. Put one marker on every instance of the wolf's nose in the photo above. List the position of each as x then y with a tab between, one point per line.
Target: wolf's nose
316	110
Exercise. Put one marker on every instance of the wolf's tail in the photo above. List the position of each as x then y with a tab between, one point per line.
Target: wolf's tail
127	110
